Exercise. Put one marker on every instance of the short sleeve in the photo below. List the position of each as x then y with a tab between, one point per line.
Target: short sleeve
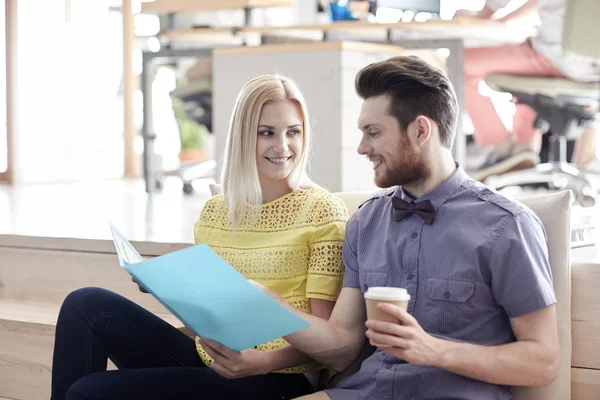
519	266
198	229
325	266
213	213
349	254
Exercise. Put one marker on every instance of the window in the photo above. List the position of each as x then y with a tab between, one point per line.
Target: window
3	138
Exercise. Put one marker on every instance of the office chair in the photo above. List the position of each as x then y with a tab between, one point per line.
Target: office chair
564	109
196	96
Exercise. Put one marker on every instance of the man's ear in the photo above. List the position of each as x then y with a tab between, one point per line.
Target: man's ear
424	129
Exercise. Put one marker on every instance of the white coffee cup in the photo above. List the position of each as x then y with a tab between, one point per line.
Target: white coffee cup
391	295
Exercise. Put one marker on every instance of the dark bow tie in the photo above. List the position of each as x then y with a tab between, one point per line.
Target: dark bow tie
423	209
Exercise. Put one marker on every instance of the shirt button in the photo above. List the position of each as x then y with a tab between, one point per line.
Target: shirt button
387	365
414	235
366	287
410	276
447	295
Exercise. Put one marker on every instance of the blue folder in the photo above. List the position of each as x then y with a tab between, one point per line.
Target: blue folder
208	295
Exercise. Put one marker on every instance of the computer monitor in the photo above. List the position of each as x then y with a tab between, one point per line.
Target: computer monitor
417	6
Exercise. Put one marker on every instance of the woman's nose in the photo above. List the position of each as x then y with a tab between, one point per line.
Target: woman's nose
281	145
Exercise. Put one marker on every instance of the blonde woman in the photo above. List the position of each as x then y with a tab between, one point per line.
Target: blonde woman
272	224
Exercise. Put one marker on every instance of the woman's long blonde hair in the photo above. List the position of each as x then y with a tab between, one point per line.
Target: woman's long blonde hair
241	185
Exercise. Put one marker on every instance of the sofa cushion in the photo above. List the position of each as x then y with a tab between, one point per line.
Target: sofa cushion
554	212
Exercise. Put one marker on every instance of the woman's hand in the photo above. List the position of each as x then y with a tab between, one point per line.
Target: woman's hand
267	291
140	287
235	364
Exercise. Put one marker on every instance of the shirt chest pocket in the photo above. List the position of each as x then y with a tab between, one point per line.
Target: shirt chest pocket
449	304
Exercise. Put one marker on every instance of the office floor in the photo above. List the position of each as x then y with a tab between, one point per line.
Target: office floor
83	210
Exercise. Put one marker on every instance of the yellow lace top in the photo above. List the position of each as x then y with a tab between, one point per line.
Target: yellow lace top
294	247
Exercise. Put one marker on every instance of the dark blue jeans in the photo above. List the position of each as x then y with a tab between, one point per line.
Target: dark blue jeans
155	360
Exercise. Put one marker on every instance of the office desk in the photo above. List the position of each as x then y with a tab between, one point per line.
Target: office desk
432	34
191	6
357	30
174	6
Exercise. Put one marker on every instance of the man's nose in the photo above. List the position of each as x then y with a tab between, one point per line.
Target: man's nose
364	148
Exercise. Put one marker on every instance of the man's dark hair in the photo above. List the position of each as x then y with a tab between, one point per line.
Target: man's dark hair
416	88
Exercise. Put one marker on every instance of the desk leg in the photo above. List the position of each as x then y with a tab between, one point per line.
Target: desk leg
247	16
147	125
456	62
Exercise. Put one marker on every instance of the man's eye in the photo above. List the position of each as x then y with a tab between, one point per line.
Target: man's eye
373	133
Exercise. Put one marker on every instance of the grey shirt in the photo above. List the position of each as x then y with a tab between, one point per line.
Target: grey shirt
482	261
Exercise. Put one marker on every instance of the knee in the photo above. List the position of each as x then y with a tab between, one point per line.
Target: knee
74	394
82	389
84	298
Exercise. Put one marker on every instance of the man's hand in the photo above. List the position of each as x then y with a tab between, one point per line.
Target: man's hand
408	340
234	364
533	360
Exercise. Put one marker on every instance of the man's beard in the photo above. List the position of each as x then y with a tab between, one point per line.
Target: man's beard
410	170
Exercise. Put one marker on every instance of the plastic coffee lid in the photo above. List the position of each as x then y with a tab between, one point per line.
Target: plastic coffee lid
387	293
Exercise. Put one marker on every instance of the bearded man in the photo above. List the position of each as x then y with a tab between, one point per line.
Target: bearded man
481	317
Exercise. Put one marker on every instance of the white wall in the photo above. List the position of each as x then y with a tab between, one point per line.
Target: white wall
326	78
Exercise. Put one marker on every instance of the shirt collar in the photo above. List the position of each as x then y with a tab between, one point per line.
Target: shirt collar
440	194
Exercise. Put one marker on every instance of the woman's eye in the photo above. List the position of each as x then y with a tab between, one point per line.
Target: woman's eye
266	133
294	132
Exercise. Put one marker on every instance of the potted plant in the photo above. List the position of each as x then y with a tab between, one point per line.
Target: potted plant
191	133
